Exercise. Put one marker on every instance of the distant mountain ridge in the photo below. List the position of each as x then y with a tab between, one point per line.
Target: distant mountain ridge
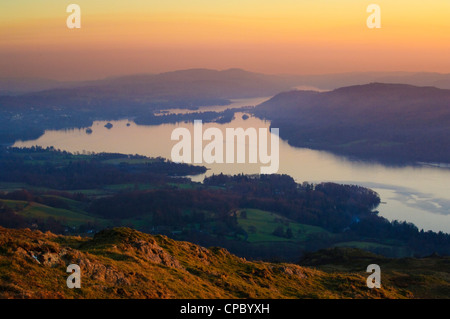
205	83
147	92
22	85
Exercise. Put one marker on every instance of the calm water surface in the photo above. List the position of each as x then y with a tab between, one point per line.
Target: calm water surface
415	194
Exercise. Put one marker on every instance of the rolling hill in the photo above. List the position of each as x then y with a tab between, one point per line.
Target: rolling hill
337	80
389	122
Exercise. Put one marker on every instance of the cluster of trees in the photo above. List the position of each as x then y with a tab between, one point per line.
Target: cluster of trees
165	206
329	205
84	172
280	232
421	242
225	116
9	219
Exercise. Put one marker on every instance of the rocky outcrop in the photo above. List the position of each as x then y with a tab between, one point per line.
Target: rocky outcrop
124	263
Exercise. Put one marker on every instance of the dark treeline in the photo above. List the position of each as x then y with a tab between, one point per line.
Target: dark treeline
207	116
30	166
165	205
328	205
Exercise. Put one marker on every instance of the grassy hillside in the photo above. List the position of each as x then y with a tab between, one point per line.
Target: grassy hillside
260	226
123	263
73	216
427	277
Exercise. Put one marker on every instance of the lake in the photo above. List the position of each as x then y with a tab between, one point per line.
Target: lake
417	194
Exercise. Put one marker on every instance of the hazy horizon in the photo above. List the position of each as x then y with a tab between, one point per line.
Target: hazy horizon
119	75
267	37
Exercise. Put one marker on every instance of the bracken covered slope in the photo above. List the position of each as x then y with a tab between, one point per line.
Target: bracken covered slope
124	263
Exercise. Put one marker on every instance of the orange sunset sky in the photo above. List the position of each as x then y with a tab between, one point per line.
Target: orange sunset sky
284	36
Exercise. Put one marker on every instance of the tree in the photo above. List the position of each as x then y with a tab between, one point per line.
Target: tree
289	233
279	231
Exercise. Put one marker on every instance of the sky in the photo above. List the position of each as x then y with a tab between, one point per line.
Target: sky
267	36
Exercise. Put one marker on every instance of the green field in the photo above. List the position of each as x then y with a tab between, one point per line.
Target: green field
71	217
260	226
